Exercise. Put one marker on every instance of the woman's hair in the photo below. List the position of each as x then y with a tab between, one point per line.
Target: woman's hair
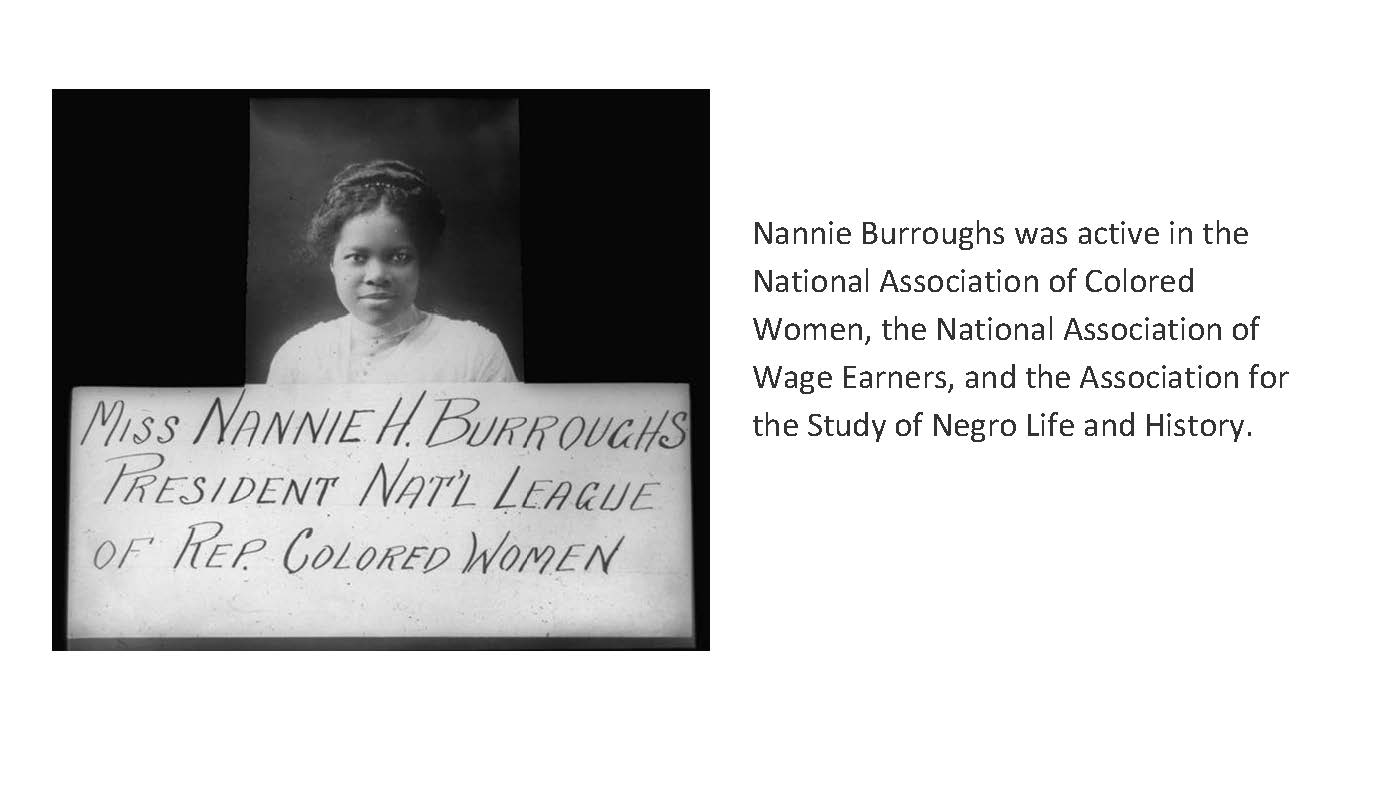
361	188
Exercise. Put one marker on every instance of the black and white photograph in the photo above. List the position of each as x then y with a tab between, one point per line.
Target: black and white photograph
384	241
427	389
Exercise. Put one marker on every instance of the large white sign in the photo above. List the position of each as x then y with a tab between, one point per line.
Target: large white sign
448	510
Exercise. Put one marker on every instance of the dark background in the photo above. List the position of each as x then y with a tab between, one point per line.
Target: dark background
469	149
150	210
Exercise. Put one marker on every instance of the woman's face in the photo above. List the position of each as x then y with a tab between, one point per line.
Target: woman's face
376	267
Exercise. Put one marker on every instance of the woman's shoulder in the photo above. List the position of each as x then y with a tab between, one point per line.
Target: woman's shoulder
465	330
477	351
318	334
298	359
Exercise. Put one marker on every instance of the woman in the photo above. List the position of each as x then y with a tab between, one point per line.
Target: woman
377	228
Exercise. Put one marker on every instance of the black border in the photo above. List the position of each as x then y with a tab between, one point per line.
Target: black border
150	214
379	644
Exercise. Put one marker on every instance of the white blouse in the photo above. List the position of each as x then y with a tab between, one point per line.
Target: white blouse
436	350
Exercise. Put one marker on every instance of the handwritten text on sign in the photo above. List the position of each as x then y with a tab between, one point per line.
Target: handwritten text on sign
450	510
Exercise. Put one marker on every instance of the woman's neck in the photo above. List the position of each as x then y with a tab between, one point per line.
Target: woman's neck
409	319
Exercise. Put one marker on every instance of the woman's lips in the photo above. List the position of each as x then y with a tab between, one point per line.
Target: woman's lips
376	297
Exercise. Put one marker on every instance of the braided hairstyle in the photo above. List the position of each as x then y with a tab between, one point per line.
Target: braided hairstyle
361	188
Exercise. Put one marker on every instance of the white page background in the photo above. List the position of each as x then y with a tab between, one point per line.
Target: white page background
916	613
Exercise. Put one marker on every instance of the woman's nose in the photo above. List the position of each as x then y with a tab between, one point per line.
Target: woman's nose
375	270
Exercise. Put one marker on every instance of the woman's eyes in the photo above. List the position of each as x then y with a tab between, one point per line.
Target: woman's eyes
399	258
